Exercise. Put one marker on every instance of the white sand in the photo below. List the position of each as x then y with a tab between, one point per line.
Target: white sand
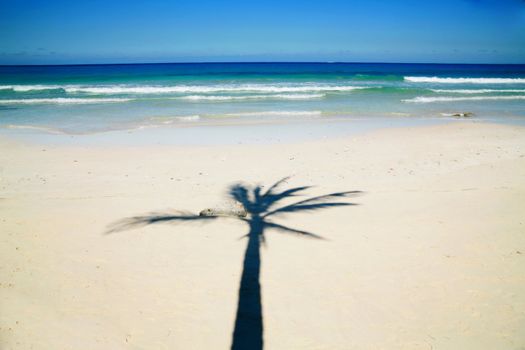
433	257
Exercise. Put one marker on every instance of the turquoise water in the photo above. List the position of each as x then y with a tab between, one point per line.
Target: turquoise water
96	98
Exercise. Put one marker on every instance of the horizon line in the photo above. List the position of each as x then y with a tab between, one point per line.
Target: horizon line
250	62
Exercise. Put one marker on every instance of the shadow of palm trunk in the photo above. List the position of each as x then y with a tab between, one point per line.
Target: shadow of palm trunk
248	331
262	206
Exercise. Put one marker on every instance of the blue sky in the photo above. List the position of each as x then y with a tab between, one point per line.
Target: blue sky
76	31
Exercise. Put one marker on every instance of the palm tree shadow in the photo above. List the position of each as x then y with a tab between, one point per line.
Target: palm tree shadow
261	207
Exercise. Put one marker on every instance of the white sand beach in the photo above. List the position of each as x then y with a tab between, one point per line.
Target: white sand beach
431	257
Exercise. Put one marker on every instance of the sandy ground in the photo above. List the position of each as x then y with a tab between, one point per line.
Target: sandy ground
433	257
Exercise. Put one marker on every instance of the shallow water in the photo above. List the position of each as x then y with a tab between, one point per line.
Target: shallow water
99	98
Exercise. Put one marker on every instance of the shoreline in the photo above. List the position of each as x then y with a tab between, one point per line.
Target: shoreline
208	133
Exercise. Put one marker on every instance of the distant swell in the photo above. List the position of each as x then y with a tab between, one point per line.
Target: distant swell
424	99
465	80
63	101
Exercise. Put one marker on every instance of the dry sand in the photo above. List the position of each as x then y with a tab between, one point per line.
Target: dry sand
433	257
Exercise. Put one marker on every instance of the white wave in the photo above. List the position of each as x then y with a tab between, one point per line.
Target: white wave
424	99
61	100
477	91
465	80
159	89
275	113
254	97
25	88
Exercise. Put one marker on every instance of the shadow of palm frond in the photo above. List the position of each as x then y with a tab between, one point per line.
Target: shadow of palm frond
156	218
260	205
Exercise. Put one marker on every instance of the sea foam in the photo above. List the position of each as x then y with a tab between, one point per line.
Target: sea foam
477	91
425	99
61	100
156	121
254	97
35	128
276	114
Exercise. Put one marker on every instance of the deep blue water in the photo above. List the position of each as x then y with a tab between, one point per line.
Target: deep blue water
91	98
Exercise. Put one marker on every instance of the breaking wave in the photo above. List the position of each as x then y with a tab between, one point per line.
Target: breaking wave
465	80
152	89
61	100
26	88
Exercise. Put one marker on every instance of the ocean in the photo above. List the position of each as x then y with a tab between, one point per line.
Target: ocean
87	99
